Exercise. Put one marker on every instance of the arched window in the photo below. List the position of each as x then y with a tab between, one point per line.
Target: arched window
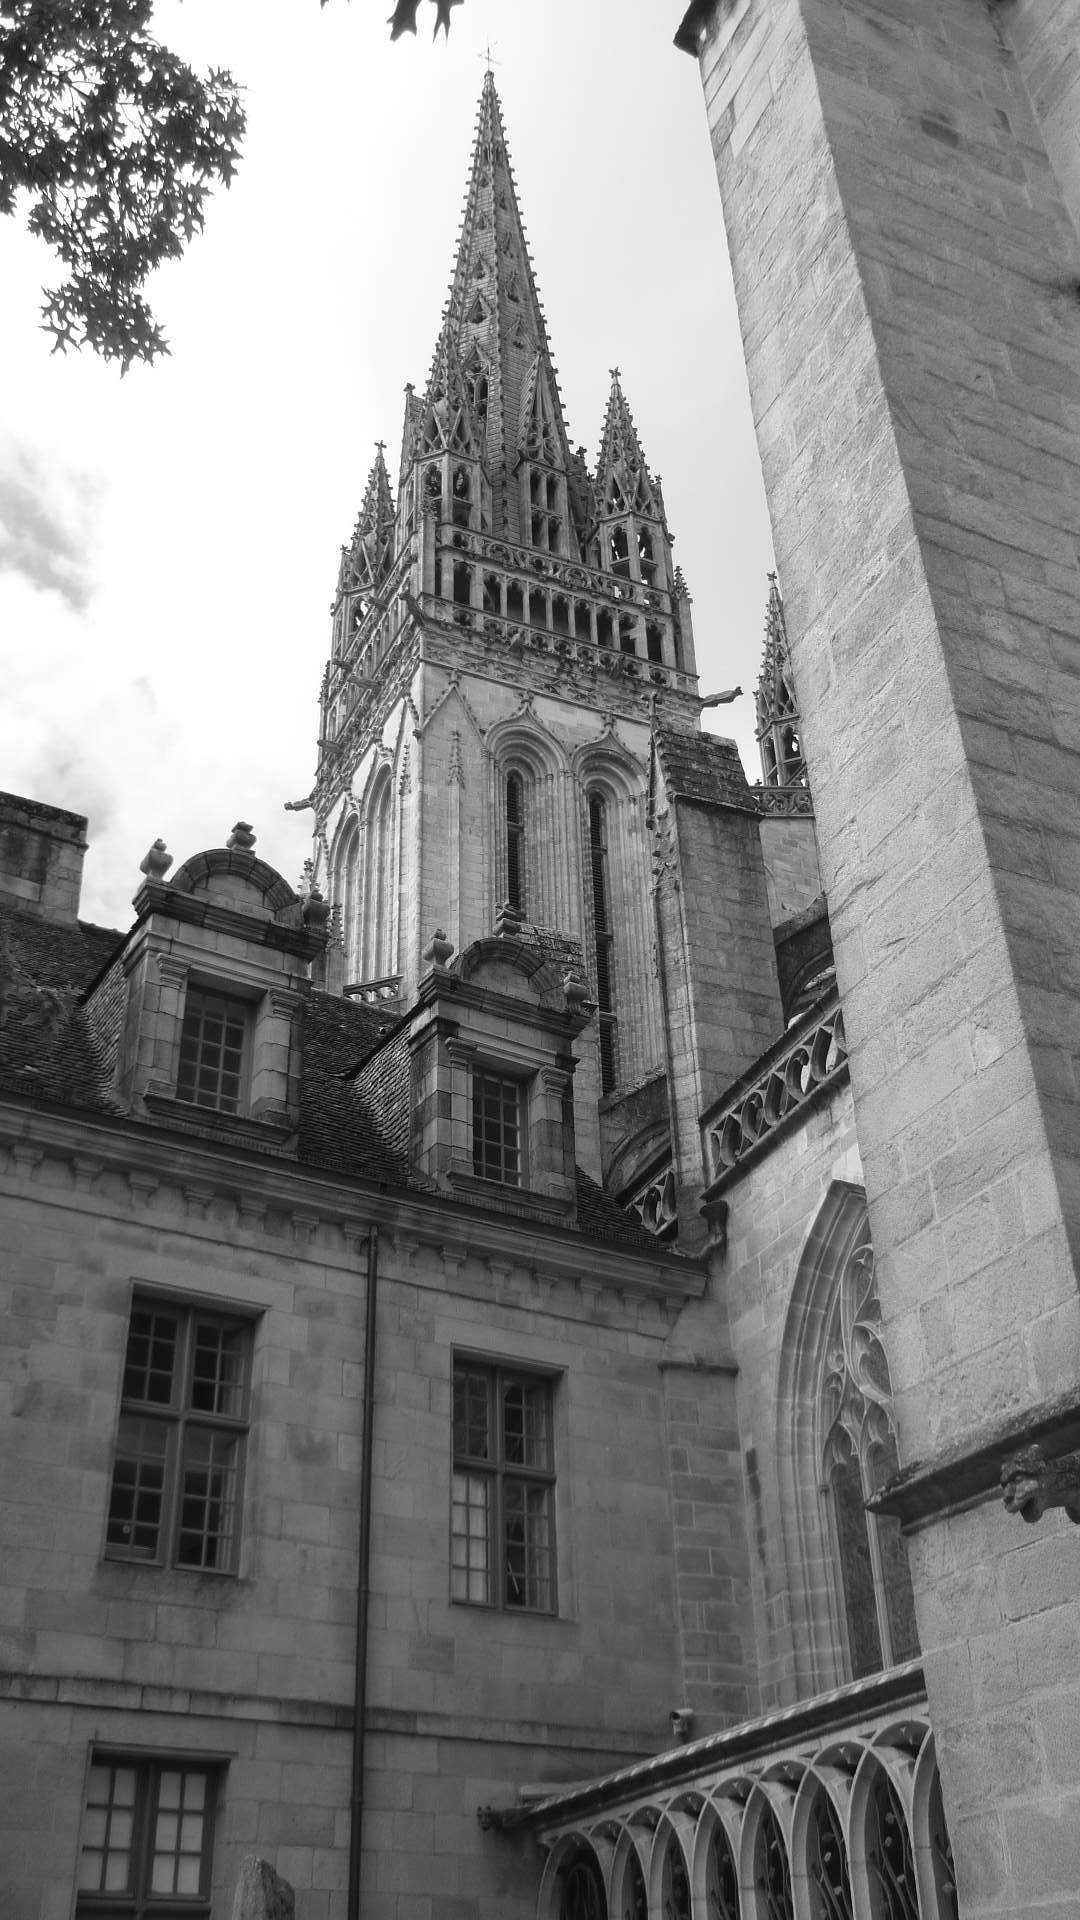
722	1880
772	1874
890	1862
347	891
620	553
858	1455
581	1889
377	901
826	1862
852	1603
603	939
675	1885
515	841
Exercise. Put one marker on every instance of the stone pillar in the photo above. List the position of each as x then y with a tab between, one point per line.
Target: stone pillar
906	266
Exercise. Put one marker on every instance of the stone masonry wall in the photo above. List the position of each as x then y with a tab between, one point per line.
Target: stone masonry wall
792	873
905	265
259	1667
772	1209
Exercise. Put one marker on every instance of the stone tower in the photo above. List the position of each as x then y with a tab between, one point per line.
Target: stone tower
504	641
901	192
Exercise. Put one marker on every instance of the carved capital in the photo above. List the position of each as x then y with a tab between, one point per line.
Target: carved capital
1031	1484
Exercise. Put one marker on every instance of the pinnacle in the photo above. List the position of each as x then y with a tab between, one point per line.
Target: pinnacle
623	480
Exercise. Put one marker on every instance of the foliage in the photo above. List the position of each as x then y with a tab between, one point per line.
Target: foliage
117	144
403	18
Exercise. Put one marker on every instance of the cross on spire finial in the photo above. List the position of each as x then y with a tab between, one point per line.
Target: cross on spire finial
488	58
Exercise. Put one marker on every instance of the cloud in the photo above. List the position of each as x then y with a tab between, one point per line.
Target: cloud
47	514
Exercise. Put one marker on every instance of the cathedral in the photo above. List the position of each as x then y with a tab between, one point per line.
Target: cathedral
540	1362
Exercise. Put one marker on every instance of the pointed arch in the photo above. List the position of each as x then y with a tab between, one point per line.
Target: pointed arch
617	902
373	949
853	1608
345	888
530	786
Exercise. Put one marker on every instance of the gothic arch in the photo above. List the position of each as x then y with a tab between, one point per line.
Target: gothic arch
851	1606
344	866
377	939
527	752
615	869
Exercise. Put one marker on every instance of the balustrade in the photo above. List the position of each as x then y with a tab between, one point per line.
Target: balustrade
827	1810
811	1057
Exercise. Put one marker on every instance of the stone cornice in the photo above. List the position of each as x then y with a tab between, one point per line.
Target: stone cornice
150	1158
969	1470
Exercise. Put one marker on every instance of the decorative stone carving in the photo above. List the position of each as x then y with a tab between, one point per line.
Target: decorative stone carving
156	861
241	838
439	949
813	1057
1031	1484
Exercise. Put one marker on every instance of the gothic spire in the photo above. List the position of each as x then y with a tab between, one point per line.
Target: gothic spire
366	560
779	738
445	420
623	481
495	321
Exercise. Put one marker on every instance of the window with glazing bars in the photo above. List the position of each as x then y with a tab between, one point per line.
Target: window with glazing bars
515	842
604	940
502	1534
496	1116
213	1051
176	1482
147	1839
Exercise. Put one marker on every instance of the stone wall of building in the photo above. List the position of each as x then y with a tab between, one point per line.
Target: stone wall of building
905	265
257	1667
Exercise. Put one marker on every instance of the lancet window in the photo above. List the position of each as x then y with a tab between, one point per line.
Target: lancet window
546	511
604	940
772	1874
374	944
515	842
858	1455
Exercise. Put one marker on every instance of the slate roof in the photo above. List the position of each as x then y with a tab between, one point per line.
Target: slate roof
355	1088
703	767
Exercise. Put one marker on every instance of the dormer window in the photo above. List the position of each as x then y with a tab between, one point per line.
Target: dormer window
497	1135
214	1051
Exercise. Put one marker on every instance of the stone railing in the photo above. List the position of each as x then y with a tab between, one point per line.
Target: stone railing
549	603
784	801
653	1203
832	1807
811	1057
372	992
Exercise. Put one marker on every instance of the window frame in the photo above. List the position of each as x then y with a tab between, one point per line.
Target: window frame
495	1074
239	1004
499	1472
139	1900
178	1417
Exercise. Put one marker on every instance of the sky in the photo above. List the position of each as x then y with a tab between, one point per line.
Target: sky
169	540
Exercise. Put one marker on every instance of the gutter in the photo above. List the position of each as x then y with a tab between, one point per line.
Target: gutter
363	1585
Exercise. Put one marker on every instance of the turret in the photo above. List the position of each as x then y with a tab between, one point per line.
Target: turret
778	733
632	532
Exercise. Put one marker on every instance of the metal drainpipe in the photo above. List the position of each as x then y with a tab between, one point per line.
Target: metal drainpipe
356	1826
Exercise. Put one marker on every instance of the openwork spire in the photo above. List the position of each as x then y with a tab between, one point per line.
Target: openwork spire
623	481
778	732
365	562
445	422
496	323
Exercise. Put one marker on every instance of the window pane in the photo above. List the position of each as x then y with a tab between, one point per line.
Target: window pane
527	1545
856	1568
470	1538
150	1360
218	1369
525	1424
212	1051
105	1859
136	1500
496	1128
471	1415
179	1834
208	1490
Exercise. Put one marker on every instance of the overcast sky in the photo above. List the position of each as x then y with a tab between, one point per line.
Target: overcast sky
169	542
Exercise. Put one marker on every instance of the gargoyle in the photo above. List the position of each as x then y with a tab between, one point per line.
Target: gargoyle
1030	1484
